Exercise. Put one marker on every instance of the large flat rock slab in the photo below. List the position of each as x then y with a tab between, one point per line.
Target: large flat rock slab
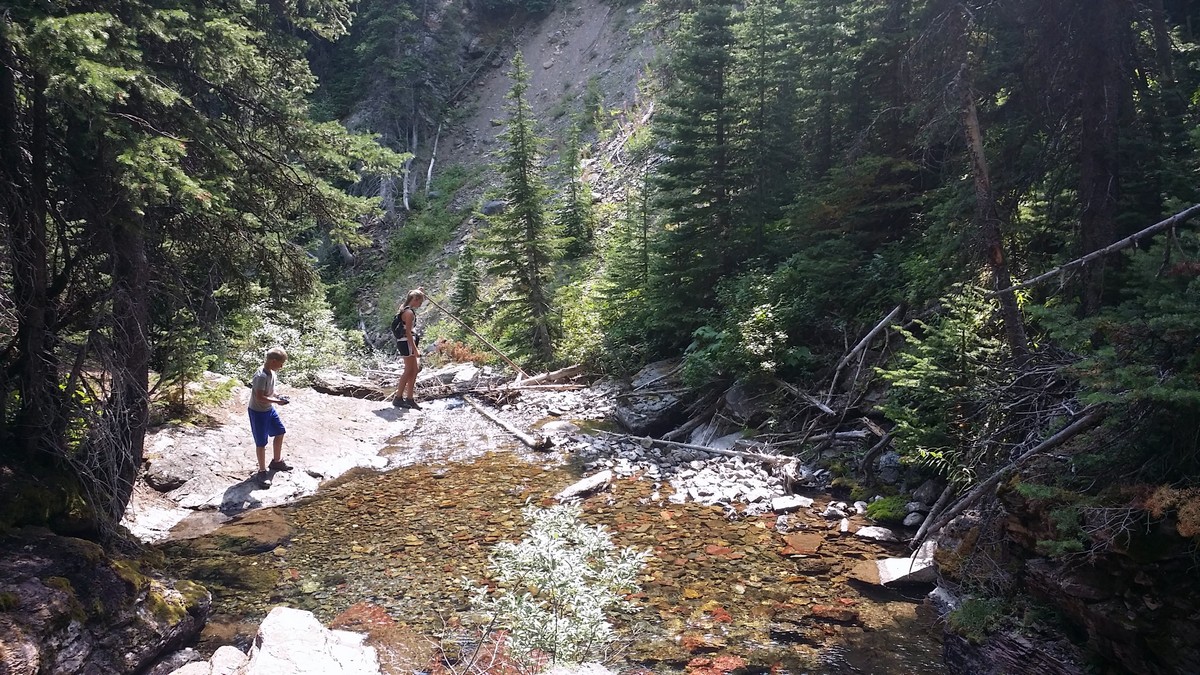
208	469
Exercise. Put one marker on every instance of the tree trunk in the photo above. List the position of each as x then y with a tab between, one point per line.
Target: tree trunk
129	406
23	172
987	221
1100	84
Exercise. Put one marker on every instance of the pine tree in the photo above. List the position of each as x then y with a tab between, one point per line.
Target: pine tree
151	160
574	216
765	70
696	181
466	284
522	242
627	251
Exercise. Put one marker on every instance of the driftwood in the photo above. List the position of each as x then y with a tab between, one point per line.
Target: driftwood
696	421
521	386
585	486
656	392
1090	418
553	376
804	396
862	344
535	442
832	436
770	459
339	384
934	511
1111	248
482	339
867	464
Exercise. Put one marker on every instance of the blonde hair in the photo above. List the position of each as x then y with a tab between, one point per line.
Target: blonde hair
413	295
276	354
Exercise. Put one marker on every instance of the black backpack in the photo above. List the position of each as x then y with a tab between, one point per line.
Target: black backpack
398	325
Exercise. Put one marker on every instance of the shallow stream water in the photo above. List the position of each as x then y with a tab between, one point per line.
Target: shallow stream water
401	541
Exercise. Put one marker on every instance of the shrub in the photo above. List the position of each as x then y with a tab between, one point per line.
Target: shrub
555	586
975	618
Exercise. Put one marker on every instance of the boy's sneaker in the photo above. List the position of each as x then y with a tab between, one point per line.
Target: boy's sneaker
411	403
263	479
278	465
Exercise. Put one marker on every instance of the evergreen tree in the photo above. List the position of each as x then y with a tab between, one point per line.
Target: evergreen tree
765	80
574	217
466	284
696	180
522	242
149	153
627	254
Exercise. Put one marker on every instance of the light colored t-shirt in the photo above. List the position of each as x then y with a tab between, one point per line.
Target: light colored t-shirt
264	381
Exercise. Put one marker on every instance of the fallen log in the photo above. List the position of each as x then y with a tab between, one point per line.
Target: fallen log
1100	253
519	386
554	376
535	442
1090	418
339	384
585	486
862	344
832	436
696	421
804	396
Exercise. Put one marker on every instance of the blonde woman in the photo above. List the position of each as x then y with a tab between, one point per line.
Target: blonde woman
403	327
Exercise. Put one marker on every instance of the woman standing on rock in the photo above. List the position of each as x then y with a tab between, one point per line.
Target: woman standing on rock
406	342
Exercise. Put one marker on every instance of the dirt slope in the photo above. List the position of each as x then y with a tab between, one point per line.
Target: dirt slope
579	42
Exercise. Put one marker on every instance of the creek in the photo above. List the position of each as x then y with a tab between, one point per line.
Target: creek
400	542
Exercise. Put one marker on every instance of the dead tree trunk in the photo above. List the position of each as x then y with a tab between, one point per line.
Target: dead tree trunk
987	218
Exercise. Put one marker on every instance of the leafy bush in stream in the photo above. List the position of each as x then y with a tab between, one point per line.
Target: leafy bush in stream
555	587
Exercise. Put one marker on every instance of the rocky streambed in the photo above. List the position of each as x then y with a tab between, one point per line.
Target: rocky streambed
728	576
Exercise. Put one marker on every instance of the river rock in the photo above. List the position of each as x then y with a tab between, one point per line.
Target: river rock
493	207
1010	652
788	503
928	493
918	568
585	487
75	610
876	533
292	642
650	414
914	519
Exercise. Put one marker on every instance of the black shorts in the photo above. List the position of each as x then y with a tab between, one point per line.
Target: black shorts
402	347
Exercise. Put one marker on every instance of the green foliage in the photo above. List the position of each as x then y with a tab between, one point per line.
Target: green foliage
889	509
942	386
430	227
556	587
976	618
1139	356
307	332
181	352
522	242
695	181
574	215
466	283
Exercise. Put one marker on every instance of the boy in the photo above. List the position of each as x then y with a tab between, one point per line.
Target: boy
264	421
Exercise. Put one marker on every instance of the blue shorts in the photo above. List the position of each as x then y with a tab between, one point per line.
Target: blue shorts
264	424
